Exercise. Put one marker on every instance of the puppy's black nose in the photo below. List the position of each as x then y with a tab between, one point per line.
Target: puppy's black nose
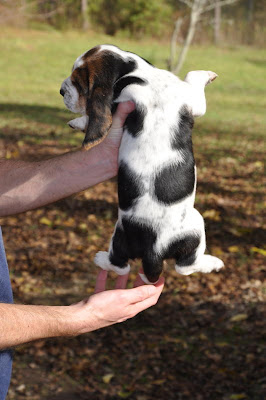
62	92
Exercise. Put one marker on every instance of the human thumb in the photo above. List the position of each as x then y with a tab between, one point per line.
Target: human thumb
121	114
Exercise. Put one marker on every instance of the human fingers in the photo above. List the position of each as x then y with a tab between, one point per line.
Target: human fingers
121	114
101	281
140	293
138	280
121	281
149	301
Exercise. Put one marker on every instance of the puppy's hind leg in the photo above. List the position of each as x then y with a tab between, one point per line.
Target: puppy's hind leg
152	267
195	260
116	259
190	256
205	263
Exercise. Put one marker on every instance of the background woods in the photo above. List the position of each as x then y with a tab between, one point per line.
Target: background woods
232	21
204	339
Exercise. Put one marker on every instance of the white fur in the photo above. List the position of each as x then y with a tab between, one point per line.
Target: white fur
101	259
71	97
79	123
205	263
79	62
145	280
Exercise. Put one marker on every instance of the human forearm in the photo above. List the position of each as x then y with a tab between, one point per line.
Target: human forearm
25	323
28	185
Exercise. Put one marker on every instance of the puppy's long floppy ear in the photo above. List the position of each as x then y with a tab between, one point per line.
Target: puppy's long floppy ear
98	109
104	68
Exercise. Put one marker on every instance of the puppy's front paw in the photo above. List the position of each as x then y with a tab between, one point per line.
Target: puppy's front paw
79	123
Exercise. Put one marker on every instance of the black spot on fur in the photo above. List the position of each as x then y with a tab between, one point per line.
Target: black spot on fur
182	132
144	59
129	186
135	121
183	250
119	253
140	241
114	67
175	182
126	66
140	238
123	82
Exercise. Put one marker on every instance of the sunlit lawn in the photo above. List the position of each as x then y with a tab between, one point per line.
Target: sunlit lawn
34	63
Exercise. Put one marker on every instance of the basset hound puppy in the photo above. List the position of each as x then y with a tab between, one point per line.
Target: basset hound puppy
157	173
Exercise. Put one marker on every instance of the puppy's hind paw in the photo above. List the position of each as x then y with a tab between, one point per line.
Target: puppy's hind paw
146	280
102	260
206	264
217	263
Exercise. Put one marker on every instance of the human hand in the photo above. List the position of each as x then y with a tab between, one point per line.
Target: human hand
108	307
115	134
109	147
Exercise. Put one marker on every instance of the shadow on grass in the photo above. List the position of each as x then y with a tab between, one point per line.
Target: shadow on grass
259	63
37	113
216	230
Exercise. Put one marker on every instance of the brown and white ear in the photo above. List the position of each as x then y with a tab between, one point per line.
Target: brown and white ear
99	114
80	123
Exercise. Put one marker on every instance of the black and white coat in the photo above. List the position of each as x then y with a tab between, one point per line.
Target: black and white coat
157	173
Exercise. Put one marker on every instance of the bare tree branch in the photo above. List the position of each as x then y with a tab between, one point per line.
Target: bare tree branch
187	2
190	34
201	6
84	14
174	38
219	3
49	14
197	8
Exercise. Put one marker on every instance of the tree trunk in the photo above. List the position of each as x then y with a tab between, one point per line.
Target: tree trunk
250	24
190	34
217	24
174	38
84	12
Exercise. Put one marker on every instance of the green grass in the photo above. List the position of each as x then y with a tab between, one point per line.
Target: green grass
36	62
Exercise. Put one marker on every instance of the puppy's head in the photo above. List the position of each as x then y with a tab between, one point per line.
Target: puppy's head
89	89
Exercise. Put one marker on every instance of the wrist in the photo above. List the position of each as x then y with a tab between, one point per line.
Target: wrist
74	322
108	153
